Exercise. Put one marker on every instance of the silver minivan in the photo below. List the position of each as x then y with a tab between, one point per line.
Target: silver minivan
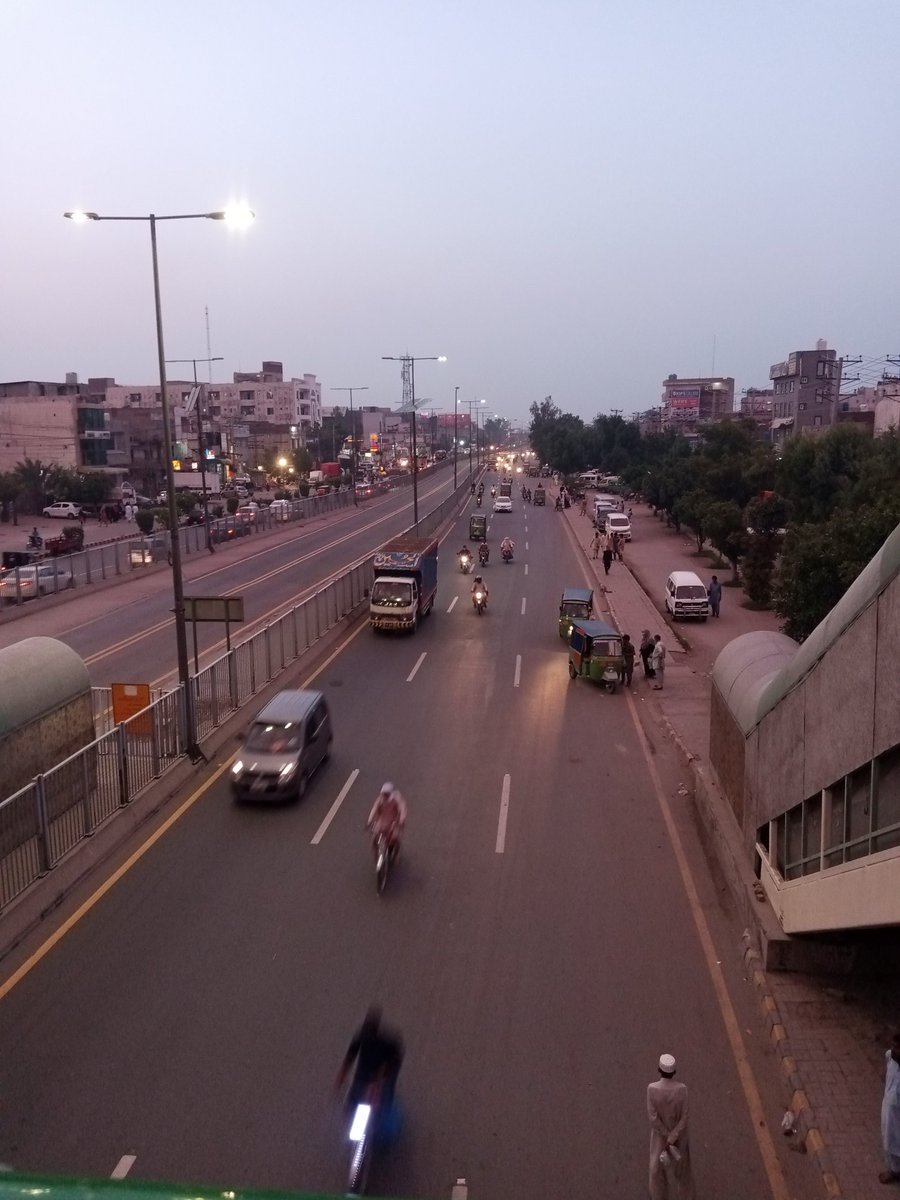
283	748
686	595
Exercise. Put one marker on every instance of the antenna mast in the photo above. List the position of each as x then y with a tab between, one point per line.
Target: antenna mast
209	357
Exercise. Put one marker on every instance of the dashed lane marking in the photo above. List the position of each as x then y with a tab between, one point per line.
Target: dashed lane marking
504	811
411	676
333	811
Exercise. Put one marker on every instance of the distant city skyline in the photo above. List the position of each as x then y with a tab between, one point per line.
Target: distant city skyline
573	200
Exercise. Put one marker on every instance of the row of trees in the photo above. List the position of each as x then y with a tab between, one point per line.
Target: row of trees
32	484
797	527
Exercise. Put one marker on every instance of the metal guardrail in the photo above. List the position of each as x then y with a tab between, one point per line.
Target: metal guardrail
46	819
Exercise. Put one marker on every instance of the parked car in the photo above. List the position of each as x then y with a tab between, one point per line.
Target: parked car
248	512
618	523
280	510
39	580
66	510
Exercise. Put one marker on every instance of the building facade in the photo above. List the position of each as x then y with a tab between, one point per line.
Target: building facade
689	403
806	388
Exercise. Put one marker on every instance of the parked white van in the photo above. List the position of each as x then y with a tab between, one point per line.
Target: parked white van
617	522
686	595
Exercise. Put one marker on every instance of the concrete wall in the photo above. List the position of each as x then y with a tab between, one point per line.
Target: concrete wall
38	427
887	675
727	753
36	747
779	760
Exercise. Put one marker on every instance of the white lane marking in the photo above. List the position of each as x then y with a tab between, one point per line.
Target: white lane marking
452	604
123	1166
332	812
411	676
526	568
523	606
460	1190
504	809
526	545
518	670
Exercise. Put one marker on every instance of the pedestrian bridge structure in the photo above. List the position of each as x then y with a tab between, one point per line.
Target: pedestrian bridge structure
805	744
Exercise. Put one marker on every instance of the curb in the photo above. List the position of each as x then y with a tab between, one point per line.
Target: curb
798	1103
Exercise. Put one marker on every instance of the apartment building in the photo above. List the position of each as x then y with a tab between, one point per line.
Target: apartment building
702	400
806	388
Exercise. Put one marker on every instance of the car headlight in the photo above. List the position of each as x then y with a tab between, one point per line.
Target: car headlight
238	768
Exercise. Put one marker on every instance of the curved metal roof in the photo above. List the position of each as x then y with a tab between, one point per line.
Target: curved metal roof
39	674
746	667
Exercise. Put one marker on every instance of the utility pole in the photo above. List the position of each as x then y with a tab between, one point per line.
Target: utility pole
201	438
354	465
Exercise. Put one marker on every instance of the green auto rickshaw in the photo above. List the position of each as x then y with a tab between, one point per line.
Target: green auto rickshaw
478	527
577	604
595	650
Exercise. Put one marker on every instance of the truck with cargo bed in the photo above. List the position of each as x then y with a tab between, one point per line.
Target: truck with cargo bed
405	583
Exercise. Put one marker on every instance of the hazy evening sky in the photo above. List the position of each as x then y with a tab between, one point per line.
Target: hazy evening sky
566	198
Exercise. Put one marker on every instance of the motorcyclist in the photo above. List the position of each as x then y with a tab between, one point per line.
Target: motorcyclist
473	489
481	488
478	585
507	546
464	551
388	816
493	491
34	538
378	1055
484	554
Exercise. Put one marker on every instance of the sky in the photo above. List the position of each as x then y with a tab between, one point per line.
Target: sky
565	198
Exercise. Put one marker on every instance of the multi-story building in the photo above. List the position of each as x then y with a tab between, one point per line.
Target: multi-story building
757	405
689	403
108	426
806	389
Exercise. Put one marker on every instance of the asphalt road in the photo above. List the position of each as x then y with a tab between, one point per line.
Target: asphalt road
196	1016
125	632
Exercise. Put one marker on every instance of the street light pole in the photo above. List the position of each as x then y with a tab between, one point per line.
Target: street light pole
239	217
412	360
201	438
353	461
455	432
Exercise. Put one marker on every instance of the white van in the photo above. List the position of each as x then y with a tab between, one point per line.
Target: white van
617	522
686	595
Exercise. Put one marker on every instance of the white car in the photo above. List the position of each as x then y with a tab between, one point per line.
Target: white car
39	580
503	504
620	524
64	509
280	510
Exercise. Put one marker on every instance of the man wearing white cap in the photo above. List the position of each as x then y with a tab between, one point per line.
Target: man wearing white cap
670	1156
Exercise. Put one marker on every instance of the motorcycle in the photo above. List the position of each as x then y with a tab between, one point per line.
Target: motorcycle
507	554
385	857
465	563
479	601
493	493
478	500
369	1124
35	541
483	554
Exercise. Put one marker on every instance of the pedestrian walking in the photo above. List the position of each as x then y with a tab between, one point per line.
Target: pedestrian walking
595	544
890	1113
583	506
628	659
616	546
671	1177
714	591
646	649
607	560
129	512
658	662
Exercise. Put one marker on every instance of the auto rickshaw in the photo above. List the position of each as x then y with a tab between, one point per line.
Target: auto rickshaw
577	604
478	528
595	650
540	496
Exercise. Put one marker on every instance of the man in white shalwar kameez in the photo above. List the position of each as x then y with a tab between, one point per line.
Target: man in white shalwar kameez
890	1114
670	1154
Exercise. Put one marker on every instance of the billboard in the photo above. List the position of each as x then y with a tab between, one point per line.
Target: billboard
683	403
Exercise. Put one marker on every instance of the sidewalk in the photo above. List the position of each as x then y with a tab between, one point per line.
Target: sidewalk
830	1033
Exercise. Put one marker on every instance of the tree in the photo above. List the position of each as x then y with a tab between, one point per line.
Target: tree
726	529
691	510
33	476
766	518
145	519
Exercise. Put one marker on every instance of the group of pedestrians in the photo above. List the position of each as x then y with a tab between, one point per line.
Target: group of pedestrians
608	547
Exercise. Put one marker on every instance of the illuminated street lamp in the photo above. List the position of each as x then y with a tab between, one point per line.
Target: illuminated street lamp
412	360
238	217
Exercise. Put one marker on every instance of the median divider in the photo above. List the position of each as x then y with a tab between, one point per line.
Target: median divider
46	820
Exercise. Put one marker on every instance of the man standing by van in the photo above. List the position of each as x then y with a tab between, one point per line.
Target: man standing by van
714	591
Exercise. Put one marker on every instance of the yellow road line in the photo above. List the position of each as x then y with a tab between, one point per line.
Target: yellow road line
70	922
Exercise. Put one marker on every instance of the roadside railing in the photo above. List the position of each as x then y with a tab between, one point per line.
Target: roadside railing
47	818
